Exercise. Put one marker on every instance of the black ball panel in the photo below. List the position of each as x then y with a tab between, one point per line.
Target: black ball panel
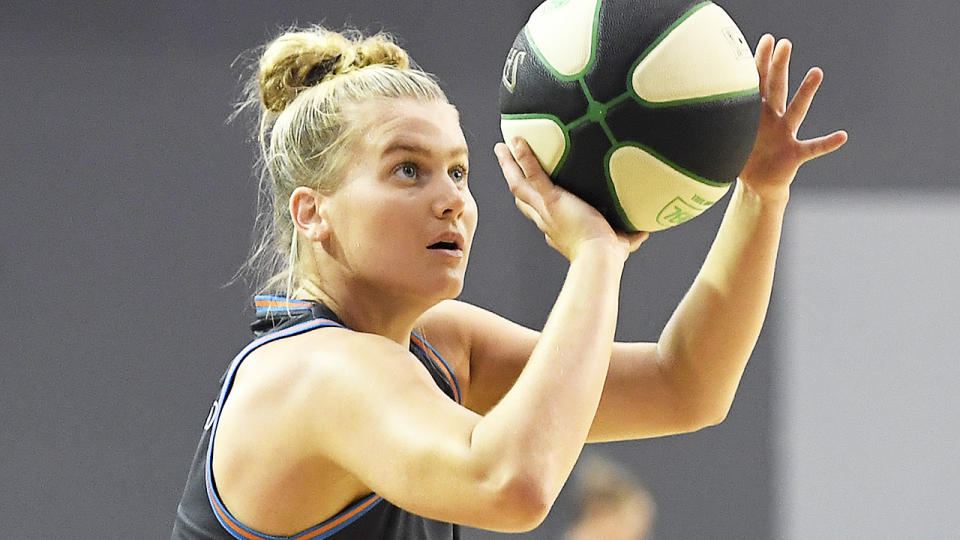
625	29
712	139
584	172
536	85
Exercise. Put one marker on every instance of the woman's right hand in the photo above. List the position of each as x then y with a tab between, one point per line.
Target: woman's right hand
567	222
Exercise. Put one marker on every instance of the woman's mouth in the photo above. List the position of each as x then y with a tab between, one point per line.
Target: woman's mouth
448	243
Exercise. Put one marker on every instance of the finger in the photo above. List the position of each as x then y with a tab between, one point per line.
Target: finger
778	78
511	171
530	212
519	185
506	161
822	146
762	56
801	101
530	165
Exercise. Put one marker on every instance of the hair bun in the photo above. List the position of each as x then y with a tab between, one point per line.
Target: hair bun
298	60
295	58
380	49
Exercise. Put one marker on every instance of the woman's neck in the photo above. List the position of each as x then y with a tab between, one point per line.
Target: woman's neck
366	311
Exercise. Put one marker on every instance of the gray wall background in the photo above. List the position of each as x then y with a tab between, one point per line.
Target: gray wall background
866	432
127	204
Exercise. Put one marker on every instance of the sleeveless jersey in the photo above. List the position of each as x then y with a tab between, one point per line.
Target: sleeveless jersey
202	515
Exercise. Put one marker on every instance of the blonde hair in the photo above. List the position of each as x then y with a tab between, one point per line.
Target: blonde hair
303	80
604	485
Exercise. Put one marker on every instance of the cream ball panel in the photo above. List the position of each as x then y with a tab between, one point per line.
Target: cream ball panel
564	34
544	136
655	196
704	55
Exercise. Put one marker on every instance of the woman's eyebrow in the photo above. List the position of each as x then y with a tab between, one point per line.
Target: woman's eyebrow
417	148
405	146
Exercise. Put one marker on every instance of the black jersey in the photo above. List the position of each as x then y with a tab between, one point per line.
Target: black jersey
202	515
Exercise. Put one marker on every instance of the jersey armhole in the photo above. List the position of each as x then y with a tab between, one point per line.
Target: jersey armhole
441	364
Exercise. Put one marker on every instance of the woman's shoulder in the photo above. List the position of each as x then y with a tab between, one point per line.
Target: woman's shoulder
318	370
466	324
303	353
339	357
445	318
447	327
288	396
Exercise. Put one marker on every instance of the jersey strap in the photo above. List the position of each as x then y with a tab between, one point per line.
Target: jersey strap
442	366
269	303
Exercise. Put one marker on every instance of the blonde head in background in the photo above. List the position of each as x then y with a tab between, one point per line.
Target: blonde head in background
612	505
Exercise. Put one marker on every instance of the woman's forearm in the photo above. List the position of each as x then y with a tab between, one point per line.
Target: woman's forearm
541	424
708	340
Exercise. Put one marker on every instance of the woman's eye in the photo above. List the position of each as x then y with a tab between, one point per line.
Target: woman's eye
407	170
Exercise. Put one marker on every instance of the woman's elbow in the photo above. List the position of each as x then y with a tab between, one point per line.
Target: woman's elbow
521	502
696	416
711	415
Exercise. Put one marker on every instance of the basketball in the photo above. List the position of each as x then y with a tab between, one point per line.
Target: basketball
646	109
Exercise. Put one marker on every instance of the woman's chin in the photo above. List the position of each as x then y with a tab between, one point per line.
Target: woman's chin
448	288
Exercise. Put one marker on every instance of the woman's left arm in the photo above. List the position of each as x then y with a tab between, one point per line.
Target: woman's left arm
687	380
705	346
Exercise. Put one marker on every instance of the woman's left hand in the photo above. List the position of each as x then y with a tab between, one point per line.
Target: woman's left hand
777	153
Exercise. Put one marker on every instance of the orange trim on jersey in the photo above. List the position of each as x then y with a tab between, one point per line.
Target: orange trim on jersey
439	363
237	528
333	524
279	303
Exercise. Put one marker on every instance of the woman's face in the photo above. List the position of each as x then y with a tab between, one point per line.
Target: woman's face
403	217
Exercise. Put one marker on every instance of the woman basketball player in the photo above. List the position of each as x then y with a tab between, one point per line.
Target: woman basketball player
342	421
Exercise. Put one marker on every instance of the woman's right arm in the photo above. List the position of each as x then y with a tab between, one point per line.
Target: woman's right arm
399	435
405	440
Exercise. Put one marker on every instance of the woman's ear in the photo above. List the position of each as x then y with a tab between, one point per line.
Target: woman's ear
306	211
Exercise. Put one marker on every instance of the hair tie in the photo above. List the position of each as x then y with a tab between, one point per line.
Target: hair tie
319	71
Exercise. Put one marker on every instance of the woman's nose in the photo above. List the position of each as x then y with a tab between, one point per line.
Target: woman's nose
451	199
